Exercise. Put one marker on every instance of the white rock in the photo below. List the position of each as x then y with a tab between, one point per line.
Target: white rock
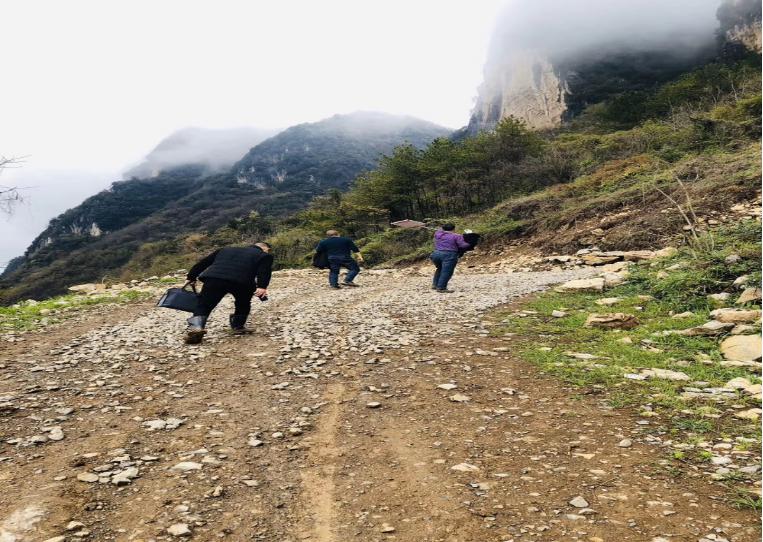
125	477
56	433
179	529
465	467
88	477
749	295
185	466
742	348
579	502
582	285
666	374
735	316
750	414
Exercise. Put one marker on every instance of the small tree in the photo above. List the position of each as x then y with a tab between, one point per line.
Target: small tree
10	196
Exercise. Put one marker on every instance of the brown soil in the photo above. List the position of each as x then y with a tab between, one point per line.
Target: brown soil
356	471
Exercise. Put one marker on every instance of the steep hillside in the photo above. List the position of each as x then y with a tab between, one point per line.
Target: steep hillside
94	240
695	139
216	150
330	153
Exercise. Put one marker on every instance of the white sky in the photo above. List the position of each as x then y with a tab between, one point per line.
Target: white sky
90	86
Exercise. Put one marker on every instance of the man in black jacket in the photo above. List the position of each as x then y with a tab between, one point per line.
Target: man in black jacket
241	271
338	251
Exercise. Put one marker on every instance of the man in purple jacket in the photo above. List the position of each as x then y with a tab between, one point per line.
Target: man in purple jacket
447	244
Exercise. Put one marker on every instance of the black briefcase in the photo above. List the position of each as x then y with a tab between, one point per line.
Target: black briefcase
321	260
180	299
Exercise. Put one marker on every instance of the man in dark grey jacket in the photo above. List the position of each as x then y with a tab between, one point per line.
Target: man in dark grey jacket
338	251
243	272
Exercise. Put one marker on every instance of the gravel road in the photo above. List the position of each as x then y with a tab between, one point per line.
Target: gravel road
385	412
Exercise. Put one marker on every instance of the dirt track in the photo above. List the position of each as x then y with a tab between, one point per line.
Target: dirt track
328	425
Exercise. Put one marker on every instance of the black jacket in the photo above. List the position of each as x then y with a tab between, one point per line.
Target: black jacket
342	247
473	239
250	266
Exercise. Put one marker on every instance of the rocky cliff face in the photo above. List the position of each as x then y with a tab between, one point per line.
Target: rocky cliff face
545	69
740	24
525	85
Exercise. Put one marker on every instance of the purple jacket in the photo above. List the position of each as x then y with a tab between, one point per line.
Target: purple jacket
447	240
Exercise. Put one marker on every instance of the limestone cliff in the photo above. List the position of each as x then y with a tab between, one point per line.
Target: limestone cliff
548	61
524	85
740	24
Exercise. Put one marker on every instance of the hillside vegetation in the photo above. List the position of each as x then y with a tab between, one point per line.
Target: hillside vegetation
602	180
94	241
617	162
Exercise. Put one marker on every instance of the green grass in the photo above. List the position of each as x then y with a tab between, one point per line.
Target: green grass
652	294
744	500
28	315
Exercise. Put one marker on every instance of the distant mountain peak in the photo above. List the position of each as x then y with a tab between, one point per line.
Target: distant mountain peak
216	149
331	152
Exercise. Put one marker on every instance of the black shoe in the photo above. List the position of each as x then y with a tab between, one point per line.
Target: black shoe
351	284
334	287
196	331
433	287
238	323
444	291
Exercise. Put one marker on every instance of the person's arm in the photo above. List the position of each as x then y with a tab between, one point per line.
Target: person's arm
320	247
460	243
354	248
200	266
264	272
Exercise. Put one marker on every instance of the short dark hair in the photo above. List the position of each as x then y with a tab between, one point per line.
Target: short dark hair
448	226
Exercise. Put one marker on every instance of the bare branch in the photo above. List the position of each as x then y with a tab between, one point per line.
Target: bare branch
10	196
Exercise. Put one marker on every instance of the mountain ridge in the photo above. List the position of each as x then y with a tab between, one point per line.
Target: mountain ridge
102	234
217	149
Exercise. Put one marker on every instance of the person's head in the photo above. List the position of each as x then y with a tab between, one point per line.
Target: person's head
448	227
265	247
332	233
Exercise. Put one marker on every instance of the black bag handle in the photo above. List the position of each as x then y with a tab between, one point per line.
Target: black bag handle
192	285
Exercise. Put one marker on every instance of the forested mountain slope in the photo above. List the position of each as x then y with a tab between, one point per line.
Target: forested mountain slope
275	178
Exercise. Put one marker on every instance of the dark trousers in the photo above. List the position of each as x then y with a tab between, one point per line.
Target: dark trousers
215	289
445	264
336	263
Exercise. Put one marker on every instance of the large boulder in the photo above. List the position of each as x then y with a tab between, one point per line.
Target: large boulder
742	348
750	295
617	320
639	255
709	329
666	252
582	285
601	258
84	288
735	316
719	300
614	279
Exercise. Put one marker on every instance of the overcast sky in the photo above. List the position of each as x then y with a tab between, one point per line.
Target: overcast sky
89	87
